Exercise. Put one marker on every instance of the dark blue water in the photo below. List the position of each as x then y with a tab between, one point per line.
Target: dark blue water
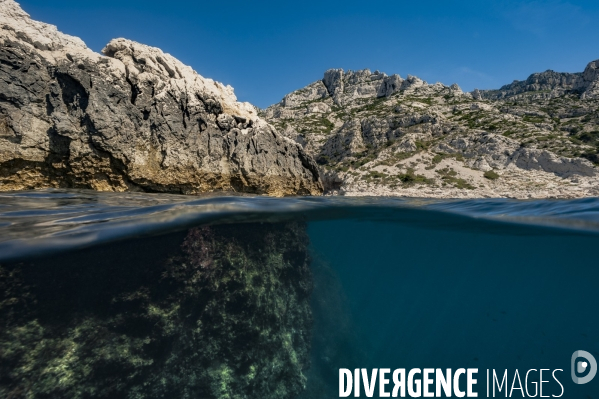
421	297
487	284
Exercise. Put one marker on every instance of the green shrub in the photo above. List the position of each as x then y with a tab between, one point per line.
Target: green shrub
533	119
449	176
410	178
491	175
589	137
376	175
327	124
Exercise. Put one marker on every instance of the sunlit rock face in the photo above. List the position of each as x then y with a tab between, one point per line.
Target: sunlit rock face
375	134
212	312
133	118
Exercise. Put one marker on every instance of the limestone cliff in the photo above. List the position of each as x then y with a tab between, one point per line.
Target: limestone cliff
374	134
553	84
134	118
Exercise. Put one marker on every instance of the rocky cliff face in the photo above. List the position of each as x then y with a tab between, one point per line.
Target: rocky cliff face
552	84
374	134
134	118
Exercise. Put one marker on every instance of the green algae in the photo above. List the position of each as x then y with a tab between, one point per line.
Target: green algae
216	312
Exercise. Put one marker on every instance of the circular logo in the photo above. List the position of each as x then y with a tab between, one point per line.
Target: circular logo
580	366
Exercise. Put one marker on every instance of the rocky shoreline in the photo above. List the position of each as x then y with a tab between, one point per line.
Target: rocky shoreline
130	119
137	119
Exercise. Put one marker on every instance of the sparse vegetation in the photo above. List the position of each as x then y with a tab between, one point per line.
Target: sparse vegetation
449	176
491	175
437	127
409	178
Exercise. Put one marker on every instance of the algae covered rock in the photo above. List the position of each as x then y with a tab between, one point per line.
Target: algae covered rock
213	312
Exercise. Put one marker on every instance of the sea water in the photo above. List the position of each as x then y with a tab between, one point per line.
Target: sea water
500	286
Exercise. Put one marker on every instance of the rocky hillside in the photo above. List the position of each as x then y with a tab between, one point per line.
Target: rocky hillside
374	134
133	118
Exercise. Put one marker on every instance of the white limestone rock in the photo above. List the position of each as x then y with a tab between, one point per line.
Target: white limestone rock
391	136
16	23
590	78
134	118
312	92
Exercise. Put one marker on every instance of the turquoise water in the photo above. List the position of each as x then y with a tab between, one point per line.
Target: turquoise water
486	284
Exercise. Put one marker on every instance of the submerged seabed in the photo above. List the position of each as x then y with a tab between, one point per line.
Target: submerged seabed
35	223
110	295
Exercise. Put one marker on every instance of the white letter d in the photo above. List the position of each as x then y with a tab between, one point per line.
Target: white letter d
345	386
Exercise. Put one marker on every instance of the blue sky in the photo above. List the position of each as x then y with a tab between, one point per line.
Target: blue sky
265	49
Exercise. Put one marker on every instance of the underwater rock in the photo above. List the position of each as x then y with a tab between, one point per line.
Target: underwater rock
214	312
336	338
